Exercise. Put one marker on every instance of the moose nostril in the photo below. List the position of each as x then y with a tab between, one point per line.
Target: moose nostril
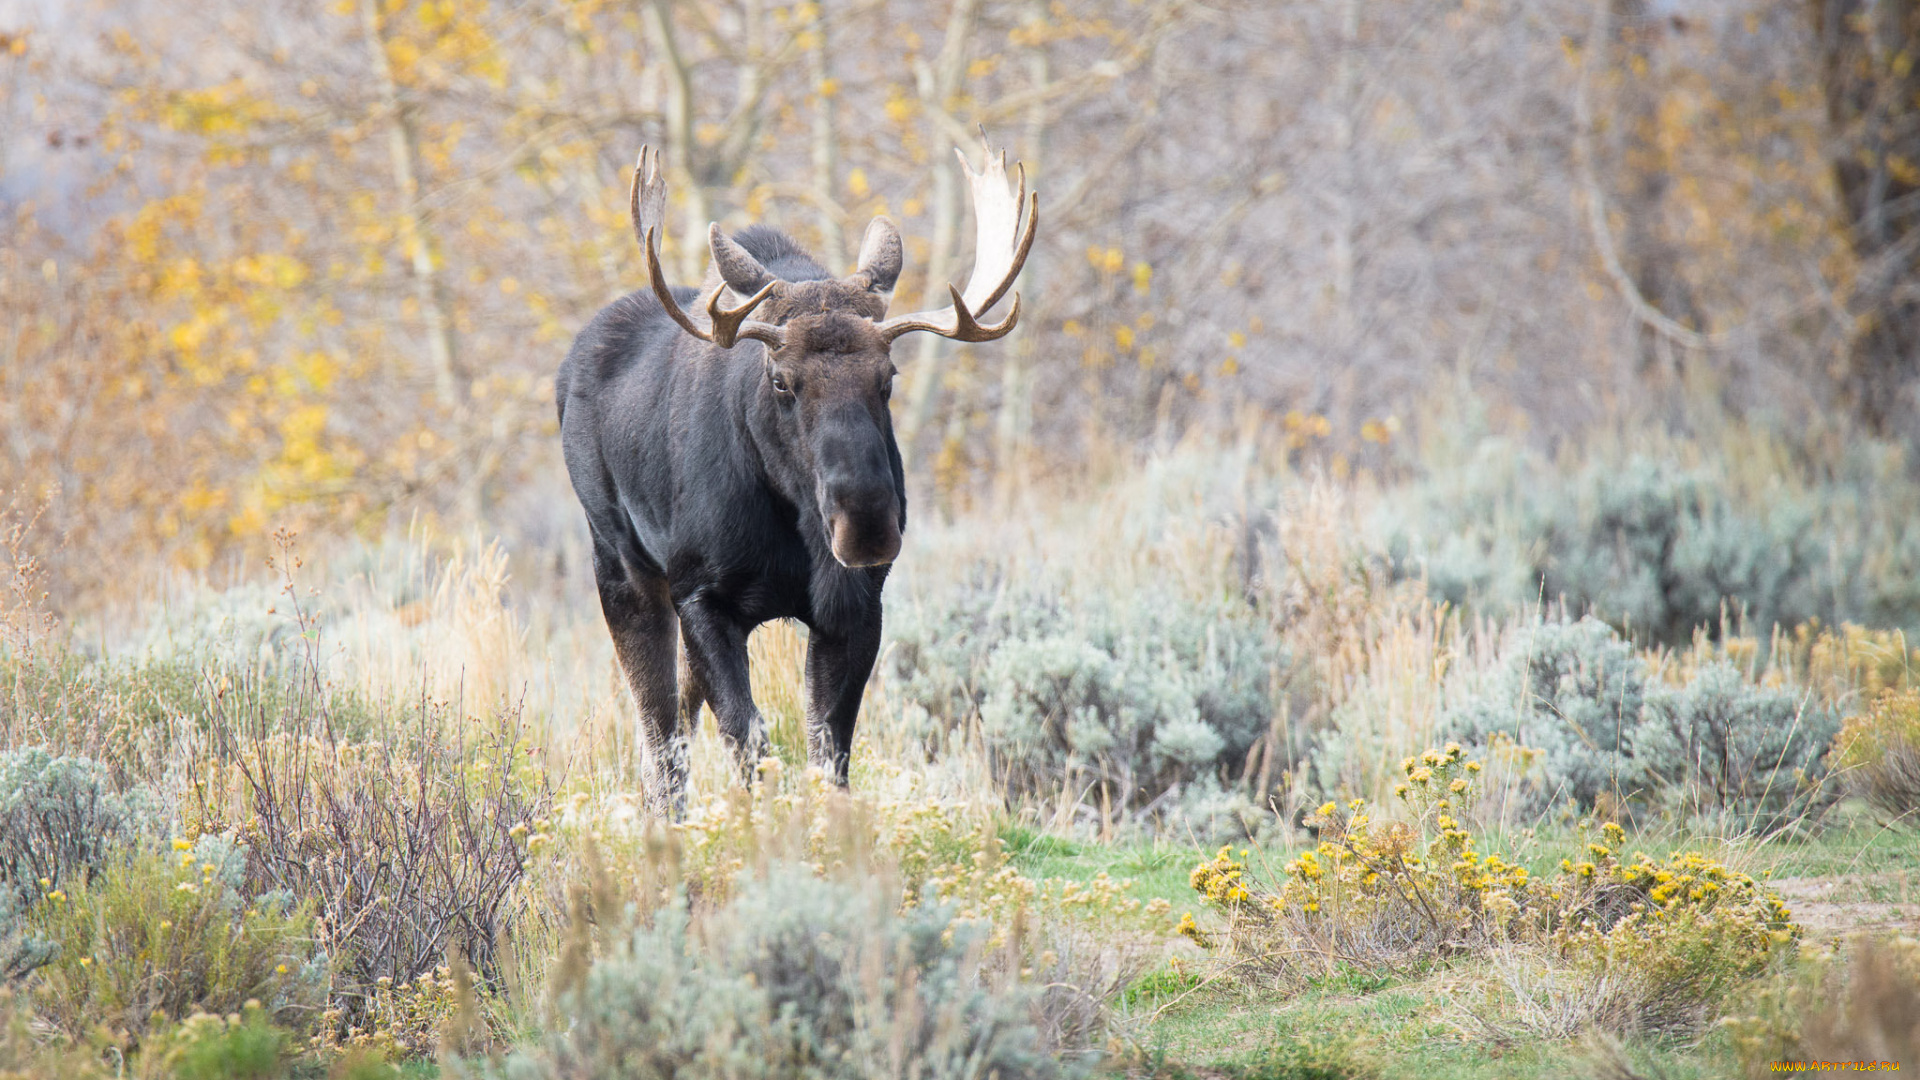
863	541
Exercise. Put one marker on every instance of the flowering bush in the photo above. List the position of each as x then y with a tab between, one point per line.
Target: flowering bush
1381	894
60	816
1664	938
1668	938
165	935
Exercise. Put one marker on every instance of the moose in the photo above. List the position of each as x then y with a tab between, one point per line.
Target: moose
740	467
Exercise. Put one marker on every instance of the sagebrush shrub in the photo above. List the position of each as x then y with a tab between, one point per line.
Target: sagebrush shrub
1716	747
1573	691
1721	747
1134	691
1665	547
60	817
162	935
794	976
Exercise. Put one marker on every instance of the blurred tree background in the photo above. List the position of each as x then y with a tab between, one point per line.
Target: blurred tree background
281	263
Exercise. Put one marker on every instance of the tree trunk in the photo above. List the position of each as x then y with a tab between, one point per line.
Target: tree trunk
1016	380
1648	255
1869	50
415	236
680	163
937	87
826	144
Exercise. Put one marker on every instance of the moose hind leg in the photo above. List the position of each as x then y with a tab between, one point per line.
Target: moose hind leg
640	618
717	659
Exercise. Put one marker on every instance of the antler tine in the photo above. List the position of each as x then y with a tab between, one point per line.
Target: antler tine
1031	206
665	295
647	204
961	325
730	325
648	196
1001	245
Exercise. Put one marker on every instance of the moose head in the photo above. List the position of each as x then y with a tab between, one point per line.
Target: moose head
828	368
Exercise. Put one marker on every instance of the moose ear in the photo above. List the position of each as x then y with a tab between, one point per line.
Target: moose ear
880	255
740	270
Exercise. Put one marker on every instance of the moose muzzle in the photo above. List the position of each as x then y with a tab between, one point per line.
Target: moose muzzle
863	533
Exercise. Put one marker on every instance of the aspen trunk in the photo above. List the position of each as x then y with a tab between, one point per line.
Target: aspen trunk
415	235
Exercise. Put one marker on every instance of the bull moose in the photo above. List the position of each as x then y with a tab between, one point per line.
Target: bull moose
741	467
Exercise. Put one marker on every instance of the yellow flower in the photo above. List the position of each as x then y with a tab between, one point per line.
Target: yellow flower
1326	810
280	970
1473	766
1421	776
1457	786
181	844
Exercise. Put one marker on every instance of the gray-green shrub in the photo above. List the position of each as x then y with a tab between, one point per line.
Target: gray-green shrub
1721	746
153	937
60	817
1661	547
1717	749
1574	691
1137	691
795	976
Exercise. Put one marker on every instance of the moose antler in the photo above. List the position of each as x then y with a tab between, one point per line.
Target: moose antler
726	326
1000	250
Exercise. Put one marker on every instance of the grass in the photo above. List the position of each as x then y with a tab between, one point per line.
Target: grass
1403	1025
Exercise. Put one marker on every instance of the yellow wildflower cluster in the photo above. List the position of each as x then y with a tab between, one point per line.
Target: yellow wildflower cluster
1684	881
1358	866
1439	780
1221	880
1425	881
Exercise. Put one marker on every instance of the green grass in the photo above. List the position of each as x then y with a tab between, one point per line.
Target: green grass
1158	870
1401	1029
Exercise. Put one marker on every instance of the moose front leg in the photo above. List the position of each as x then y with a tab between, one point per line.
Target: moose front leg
717	662
837	669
